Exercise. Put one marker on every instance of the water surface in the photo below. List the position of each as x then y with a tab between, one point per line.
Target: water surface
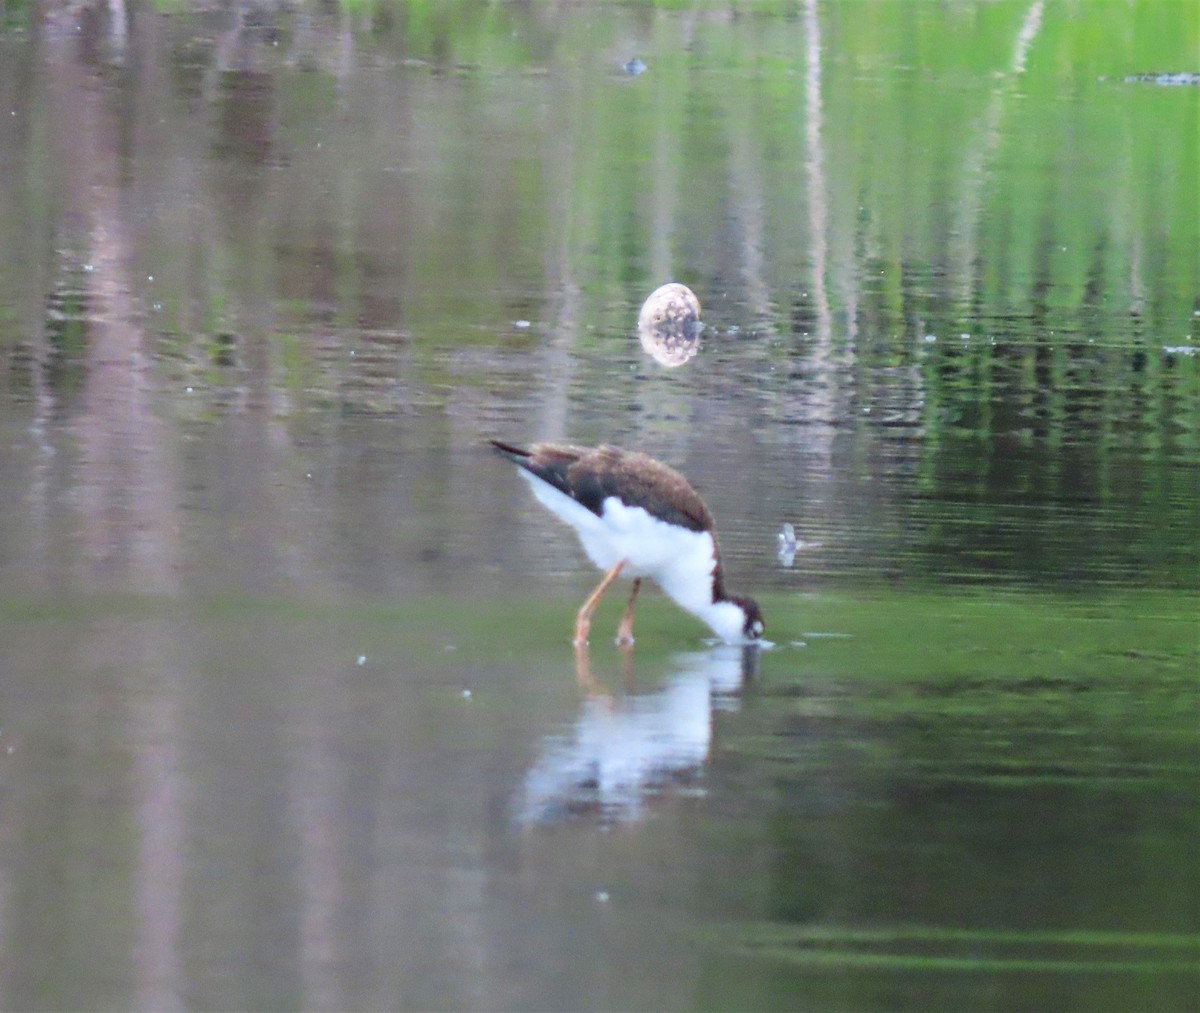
288	713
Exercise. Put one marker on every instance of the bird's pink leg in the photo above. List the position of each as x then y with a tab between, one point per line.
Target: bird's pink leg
625	628
583	621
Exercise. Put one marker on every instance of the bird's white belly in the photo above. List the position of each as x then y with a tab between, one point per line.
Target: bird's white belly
649	546
679	560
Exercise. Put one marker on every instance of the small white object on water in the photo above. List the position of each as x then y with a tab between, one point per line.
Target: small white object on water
362	659
521	325
669	324
466	694
669	303
602	896
786	545
189	390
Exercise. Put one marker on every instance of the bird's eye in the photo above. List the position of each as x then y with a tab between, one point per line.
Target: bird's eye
756	629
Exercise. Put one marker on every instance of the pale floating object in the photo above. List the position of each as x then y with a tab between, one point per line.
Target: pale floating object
669	324
787	545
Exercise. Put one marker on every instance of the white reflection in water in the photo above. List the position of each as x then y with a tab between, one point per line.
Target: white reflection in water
626	749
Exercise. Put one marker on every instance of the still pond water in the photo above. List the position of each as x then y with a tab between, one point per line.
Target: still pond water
289	717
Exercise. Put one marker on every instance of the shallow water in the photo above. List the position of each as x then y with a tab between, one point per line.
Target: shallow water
288	713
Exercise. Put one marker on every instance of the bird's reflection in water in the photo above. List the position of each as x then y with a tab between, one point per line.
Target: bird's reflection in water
627	748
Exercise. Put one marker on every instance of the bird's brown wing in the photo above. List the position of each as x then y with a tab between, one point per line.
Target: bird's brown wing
637	480
590	475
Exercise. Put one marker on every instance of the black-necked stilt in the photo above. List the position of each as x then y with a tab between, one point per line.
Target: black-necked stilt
637	516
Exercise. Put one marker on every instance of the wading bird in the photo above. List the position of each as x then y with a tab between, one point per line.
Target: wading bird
637	517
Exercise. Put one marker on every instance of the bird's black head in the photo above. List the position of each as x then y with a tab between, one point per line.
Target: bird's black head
753	628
